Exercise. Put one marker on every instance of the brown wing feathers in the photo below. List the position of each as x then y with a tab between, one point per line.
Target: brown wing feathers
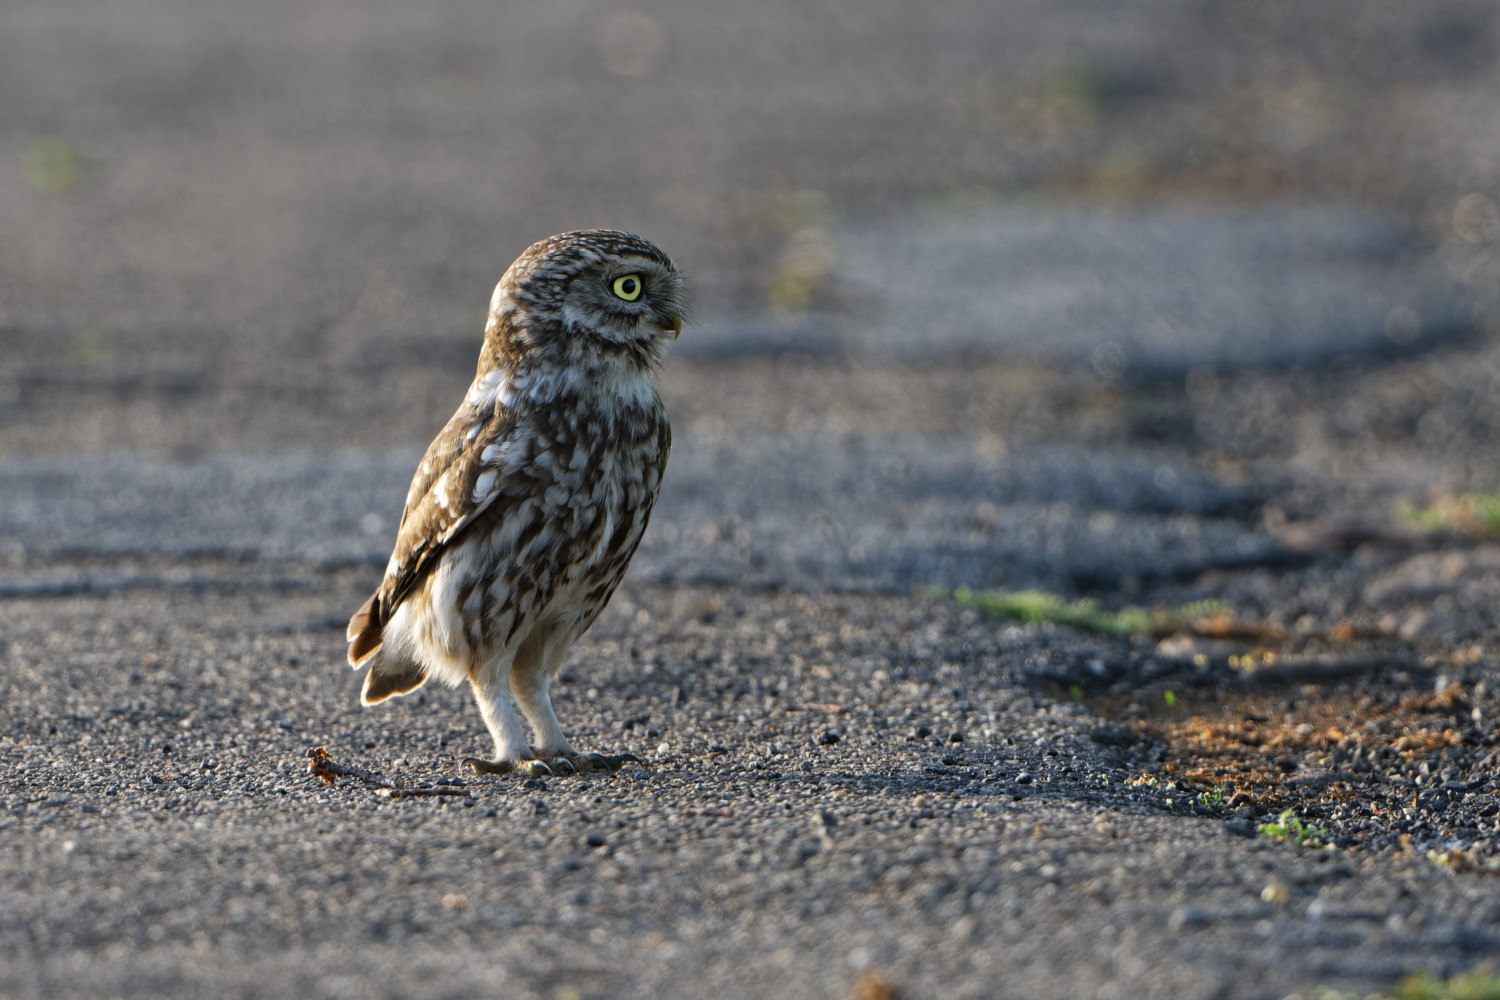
427	527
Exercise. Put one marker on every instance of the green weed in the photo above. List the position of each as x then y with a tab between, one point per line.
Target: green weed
1212	800
1475	514
1036	606
1288	827
1479	983
53	165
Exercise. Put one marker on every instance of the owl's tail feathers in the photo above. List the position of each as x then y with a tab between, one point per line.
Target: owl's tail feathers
366	632
389	674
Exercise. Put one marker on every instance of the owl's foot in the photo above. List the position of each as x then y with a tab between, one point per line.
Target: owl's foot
560	766
527	768
592	763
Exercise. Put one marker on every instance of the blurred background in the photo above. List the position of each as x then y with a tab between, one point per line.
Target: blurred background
277	225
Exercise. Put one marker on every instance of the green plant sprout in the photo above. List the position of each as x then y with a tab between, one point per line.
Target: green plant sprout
1475	514
1288	827
53	165
1036	606
1479	983
1212	800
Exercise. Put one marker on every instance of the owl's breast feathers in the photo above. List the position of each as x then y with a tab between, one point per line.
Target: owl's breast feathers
541	492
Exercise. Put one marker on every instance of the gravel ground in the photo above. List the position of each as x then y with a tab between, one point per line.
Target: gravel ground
826	784
1161	307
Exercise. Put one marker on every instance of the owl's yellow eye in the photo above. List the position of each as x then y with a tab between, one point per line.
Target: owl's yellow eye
628	287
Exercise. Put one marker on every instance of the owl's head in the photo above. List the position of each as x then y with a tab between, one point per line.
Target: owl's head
590	290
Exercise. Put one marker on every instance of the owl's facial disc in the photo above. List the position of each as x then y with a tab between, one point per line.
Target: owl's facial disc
661	305
627	298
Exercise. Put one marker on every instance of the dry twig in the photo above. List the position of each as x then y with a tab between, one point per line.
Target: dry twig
330	770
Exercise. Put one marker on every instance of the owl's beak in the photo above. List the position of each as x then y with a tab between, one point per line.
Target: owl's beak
673	326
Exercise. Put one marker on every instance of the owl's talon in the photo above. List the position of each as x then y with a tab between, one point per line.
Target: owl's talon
554	767
482	766
536	769
526	768
591	762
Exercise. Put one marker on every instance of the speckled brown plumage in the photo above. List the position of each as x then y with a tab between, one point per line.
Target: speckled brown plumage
527	507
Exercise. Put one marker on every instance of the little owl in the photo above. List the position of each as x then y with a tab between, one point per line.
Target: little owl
528	505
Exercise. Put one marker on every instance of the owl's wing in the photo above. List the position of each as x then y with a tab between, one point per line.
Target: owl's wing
457	481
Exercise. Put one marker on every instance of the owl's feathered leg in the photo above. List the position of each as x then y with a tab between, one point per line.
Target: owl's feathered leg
531	680
512	755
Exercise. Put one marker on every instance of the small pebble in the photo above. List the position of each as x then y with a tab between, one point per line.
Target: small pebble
1276	894
1187	916
1024	778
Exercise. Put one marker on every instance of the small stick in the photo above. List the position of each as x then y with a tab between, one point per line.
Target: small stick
325	767
1320	668
413	793
330	770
